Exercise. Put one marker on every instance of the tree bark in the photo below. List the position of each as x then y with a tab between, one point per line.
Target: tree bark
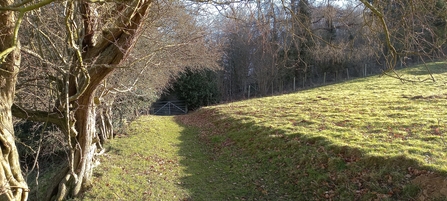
108	122
100	121
113	48
105	122
12	183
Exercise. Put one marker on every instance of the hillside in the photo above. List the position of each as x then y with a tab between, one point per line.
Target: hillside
365	139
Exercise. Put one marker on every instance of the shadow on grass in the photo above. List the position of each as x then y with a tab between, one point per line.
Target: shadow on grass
230	160
433	68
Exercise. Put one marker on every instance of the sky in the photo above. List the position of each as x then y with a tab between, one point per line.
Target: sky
340	3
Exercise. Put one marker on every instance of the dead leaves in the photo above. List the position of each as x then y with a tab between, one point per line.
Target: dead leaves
320	171
432	185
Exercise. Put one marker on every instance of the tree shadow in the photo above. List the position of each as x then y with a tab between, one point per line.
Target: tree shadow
227	159
433	68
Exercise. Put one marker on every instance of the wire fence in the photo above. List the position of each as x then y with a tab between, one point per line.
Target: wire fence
252	90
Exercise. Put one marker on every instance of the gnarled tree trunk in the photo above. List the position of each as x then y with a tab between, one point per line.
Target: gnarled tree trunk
12	184
112	48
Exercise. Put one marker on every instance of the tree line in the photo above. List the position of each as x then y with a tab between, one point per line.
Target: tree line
276	46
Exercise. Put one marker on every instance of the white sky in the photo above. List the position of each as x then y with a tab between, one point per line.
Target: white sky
333	2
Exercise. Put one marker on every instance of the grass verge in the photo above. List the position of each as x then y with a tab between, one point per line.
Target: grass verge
145	165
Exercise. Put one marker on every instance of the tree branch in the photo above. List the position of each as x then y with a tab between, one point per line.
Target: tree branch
27	8
39	116
385	29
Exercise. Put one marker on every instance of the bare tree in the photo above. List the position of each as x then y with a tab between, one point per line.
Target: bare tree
13	185
172	41
90	55
69	50
409	29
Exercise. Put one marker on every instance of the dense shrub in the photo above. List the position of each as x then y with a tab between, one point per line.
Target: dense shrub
197	88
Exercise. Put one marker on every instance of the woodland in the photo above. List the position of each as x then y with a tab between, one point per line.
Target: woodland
74	72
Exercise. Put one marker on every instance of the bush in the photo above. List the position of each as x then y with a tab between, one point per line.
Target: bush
197	88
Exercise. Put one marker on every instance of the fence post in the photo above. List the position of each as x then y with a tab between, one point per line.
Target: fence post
304	80
364	71
294	86
347	73
248	91
324	78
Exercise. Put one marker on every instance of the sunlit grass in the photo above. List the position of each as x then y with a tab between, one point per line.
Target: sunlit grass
142	166
361	139
379	116
364	139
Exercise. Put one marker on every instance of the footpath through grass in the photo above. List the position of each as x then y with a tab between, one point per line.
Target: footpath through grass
146	163
366	139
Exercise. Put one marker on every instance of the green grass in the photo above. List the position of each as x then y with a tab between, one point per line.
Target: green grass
364	139
144	165
357	140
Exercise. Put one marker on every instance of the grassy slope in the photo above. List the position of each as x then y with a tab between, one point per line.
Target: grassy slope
360	140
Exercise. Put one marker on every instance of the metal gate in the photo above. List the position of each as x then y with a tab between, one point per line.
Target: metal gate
169	108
